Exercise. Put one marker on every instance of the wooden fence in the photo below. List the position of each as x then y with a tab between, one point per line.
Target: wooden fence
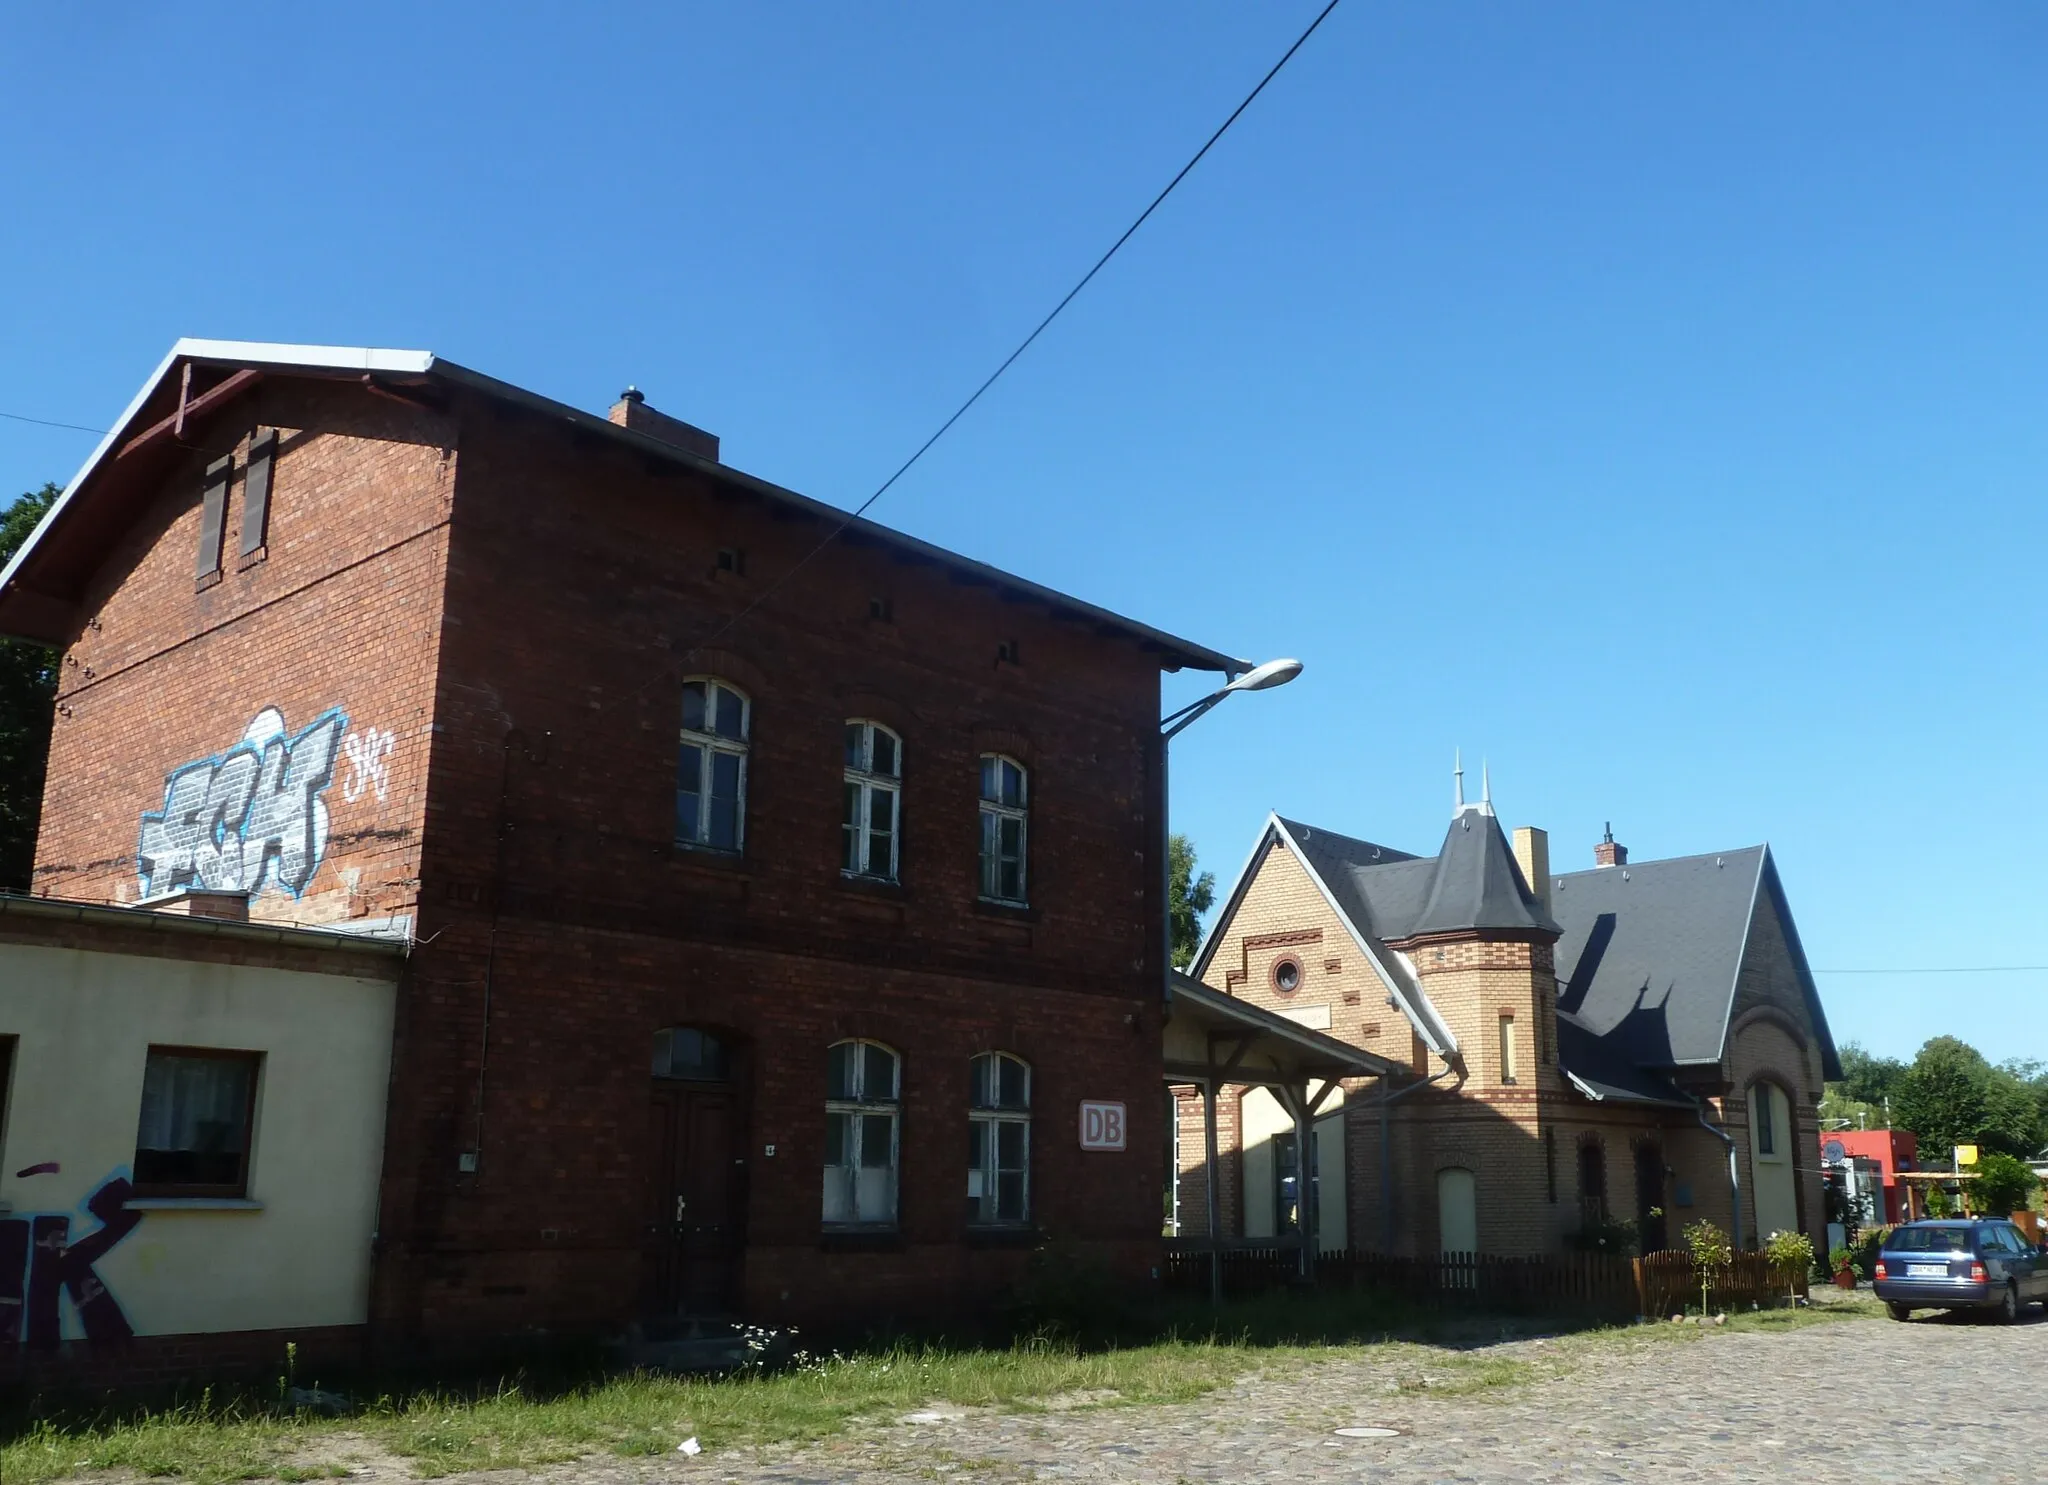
1586	1283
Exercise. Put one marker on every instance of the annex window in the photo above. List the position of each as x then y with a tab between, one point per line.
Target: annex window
1287	1180
687	1053
999	1140
197	1107
874	801
1762	1119
1003	800
863	1086
1507	1049
711	769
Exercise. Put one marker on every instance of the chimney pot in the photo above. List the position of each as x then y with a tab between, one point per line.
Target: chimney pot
1608	852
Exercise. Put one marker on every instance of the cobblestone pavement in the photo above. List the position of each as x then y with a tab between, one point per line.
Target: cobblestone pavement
1861	1400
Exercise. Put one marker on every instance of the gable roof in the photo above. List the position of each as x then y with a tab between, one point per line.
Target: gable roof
68	530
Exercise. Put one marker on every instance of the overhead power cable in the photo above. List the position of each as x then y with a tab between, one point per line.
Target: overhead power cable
1025	344
46	423
1953	969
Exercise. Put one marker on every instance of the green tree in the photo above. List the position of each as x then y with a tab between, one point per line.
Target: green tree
1952	1096
28	682
1188	897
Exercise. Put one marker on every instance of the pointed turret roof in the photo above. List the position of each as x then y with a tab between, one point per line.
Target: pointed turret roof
1476	883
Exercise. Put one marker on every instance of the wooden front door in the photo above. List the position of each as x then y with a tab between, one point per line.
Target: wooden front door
695	1200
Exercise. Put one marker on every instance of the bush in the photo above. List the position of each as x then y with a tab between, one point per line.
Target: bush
1939	1203
1604	1237
1871	1244
1791	1253
2003	1184
1711	1252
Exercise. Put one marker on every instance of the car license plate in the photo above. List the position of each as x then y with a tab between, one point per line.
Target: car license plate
1927	1271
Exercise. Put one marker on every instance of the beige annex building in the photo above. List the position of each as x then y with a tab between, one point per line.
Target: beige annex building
191	1127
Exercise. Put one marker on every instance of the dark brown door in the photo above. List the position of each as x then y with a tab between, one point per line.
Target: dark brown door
1650	1197
694	1200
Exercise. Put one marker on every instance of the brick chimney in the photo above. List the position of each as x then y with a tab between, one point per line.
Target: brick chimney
632	411
1608	852
231	907
1532	855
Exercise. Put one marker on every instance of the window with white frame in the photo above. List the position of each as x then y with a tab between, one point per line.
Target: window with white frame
711	767
863	1087
999	1140
1003	800
874	801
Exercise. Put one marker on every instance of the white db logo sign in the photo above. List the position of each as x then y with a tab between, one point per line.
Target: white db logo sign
1102	1126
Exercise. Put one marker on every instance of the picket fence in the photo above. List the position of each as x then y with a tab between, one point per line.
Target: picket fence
1592	1283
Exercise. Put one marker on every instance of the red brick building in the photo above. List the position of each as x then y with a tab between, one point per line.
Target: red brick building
755	927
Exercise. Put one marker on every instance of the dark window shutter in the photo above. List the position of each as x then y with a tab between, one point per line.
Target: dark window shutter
256	491
212	506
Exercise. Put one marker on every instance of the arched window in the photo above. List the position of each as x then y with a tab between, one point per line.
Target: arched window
711	767
874	774
863	1086
1003	800
999	1149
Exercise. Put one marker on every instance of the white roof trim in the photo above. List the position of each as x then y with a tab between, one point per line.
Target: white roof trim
1213	939
1763	858
1584	1087
240	352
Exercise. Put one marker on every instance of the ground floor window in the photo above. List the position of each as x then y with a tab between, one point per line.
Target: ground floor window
862	1115
1287	1180
197	1108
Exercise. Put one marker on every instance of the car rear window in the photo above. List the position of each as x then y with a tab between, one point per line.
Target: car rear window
1929	1240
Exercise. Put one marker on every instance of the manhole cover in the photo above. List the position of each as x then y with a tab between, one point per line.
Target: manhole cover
1368	1431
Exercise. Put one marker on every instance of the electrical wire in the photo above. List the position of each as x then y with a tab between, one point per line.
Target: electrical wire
1023	345
46	423
1953	969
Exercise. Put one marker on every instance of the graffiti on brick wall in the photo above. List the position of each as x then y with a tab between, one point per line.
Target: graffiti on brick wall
369	763
41	1262
250	819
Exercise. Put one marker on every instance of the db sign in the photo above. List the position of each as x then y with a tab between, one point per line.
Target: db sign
1102	1126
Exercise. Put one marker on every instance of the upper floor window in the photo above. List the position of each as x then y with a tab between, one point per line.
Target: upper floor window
999	1144
197	1108
1763	1117
874	800
1003	799
711	768
863	1089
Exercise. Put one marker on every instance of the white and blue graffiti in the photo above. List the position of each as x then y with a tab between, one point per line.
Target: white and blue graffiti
247	820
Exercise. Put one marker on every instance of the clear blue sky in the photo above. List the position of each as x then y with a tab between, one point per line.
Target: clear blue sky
1651	399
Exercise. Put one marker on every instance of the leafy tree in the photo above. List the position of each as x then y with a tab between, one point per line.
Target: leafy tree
2003	1184
28	682
1952	1096
1188	897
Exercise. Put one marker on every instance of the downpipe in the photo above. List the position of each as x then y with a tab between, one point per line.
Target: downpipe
1734	1171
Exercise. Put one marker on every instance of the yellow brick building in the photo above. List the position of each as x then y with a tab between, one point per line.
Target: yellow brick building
1601	1054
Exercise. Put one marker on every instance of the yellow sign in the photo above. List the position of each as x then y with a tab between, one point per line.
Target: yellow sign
1966	1154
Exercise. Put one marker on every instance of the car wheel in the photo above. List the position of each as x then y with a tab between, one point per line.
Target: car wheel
2009	1306
1899	1311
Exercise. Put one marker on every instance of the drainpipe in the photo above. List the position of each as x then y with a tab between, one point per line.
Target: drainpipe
1734	1172
1386	1155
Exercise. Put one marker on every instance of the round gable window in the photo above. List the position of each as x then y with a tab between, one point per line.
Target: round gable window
1286	975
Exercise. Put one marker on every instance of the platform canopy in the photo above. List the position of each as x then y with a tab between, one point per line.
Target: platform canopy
1213	1037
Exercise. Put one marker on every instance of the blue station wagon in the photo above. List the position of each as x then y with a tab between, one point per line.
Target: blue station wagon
1974	1263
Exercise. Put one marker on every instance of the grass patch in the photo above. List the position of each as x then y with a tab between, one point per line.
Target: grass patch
1184	1354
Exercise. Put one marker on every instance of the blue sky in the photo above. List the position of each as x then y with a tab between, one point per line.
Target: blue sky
1647	399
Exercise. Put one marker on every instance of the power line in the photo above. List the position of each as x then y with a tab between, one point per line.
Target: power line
1953	969
1025	344
46	423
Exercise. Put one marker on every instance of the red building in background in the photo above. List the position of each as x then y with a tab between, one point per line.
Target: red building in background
1893	1150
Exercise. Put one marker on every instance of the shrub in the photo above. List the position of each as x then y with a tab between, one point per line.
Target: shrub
1939	1203
1791	1253
2003	1184
1604	1237
1710	1251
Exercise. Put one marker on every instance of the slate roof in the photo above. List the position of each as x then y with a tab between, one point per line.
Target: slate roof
1651	950
1476	883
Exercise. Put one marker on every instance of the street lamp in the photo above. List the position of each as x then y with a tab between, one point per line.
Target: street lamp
1258	678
